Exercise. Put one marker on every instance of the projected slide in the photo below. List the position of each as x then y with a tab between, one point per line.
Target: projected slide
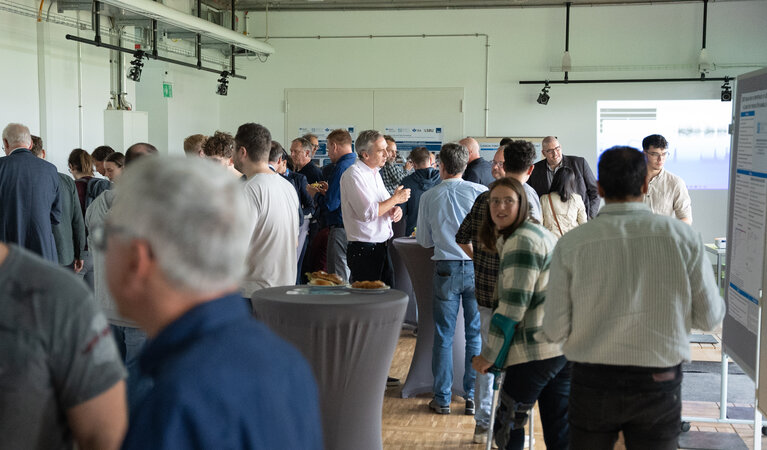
697	132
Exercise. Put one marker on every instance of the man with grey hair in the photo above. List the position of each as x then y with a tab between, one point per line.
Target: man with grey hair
440	213
553	159
175	241
479	170
301	153
29	195
368	211
273	205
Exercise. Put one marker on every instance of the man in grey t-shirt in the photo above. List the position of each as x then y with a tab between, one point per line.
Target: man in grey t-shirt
61	380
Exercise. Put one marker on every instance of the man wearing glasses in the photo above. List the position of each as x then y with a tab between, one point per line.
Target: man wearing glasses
553	160
666	193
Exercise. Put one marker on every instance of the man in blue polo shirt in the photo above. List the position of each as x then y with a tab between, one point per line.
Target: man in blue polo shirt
221	378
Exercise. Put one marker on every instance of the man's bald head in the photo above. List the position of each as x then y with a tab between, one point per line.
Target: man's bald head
472	145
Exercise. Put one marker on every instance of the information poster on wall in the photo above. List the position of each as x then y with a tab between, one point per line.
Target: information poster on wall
410	137
322	135
489	145
749	211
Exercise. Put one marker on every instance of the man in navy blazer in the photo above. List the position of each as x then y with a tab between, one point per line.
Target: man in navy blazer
29	195
543	173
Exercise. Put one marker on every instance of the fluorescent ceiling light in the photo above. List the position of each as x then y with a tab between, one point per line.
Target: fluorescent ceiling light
170	16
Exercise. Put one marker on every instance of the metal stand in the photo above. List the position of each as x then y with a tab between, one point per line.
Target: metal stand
757	421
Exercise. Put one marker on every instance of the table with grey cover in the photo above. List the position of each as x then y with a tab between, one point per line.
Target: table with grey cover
349	340
419	265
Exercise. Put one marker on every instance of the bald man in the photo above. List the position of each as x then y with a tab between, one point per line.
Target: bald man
479	170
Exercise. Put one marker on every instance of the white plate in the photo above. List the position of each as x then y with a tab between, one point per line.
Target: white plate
369	291
326	287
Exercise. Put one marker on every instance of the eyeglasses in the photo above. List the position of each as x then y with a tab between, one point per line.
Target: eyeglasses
505	201
658	155
100	234
558	148
497	163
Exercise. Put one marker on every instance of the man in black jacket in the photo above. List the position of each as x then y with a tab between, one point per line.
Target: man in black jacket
585	183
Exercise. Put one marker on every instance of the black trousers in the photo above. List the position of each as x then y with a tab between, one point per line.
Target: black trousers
369	261
643	402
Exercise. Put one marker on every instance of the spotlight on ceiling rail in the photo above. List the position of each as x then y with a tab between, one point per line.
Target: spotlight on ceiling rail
726	90
136	65
543	97
223	84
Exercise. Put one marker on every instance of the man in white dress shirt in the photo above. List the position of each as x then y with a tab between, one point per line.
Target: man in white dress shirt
368	211
624	290
666	193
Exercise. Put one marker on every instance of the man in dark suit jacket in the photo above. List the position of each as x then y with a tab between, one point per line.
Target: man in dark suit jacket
29	195
479	170
585	183
69	234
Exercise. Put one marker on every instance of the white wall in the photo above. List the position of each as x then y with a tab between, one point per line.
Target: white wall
628	41
632	41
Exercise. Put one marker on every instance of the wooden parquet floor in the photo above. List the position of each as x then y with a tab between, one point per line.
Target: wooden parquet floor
409	424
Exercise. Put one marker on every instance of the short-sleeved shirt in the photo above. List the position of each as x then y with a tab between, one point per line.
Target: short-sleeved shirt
667	195
56	351
271	260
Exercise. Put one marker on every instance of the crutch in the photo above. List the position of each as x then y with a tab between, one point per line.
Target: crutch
507	327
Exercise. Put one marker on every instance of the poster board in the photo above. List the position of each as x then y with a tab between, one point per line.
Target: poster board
489	145
746	222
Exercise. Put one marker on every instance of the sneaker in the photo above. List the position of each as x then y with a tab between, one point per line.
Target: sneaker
392	382
439	409
480	435
469	411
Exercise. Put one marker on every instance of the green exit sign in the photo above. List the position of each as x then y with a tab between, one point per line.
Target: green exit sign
167	90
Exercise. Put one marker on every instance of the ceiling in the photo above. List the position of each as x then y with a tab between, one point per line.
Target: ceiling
356	5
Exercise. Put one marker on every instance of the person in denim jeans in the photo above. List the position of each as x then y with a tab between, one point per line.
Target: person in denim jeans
535	370
440	213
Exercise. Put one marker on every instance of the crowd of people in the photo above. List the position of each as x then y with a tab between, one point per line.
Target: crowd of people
584	309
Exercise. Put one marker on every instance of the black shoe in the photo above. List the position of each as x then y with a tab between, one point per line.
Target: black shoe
392	382
469	411
439	409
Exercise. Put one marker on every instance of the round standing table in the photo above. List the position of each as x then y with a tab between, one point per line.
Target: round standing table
421	269
349	339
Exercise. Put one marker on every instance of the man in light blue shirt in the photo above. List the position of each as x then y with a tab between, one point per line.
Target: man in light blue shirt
440	213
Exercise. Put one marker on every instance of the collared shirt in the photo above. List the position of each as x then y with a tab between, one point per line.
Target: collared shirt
224	380
361	190
667	195
331	201
522	280
626	287
551	171
392	175
486	261
441	211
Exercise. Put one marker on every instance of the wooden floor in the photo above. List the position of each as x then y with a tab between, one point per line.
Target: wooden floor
409	424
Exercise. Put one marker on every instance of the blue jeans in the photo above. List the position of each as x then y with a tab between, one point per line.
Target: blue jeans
130	341
546	381
483	394
453	287
643	402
